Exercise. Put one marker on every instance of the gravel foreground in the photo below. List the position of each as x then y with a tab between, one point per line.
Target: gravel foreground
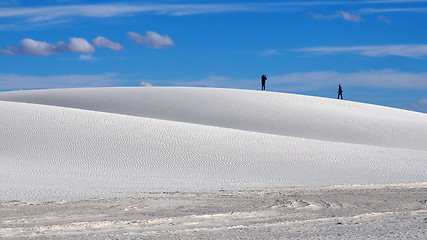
349	212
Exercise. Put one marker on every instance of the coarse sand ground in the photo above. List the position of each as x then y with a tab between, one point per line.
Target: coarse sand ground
397	211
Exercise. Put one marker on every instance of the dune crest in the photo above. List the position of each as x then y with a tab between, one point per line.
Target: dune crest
265	112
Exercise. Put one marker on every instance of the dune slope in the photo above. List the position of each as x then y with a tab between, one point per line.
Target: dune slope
266	112
125	147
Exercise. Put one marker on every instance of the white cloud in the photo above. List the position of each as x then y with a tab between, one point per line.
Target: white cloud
104	42
152	39
15	82
39	48
145	84
349	17
80	45
32	47
409	50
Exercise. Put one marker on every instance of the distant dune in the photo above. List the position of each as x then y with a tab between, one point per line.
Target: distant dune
69	144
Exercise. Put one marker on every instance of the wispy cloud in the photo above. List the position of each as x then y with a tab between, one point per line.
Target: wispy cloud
33	47
10	2
385	79
219	82
338	15
410	50
420	106
270	52
145	84
16	82
87	58
384	18
36	14
7	27
301	82
349	17
45	13
389	10
152	39
318	16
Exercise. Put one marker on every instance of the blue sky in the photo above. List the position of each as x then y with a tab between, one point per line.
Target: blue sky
377	50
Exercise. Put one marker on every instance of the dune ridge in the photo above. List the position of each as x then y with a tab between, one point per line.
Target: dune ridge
257	111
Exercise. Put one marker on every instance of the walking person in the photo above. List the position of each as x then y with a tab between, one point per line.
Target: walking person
263	79
339	92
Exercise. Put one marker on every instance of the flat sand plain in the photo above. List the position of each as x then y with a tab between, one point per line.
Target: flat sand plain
396	211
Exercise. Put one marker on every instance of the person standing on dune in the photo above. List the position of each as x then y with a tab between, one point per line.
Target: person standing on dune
339	92
263	79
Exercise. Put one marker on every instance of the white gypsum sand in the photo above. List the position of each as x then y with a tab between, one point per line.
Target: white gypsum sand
76	144
256	111
338	212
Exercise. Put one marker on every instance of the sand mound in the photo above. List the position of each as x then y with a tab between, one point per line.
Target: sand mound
143	139
256	111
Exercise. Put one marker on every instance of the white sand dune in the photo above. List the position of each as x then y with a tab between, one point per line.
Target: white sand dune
106	142
256	111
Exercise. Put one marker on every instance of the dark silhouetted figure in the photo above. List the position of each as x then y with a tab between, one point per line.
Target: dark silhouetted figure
339	92
263	79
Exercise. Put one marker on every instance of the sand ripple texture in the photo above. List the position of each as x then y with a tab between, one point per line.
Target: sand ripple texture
256	111
60	153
